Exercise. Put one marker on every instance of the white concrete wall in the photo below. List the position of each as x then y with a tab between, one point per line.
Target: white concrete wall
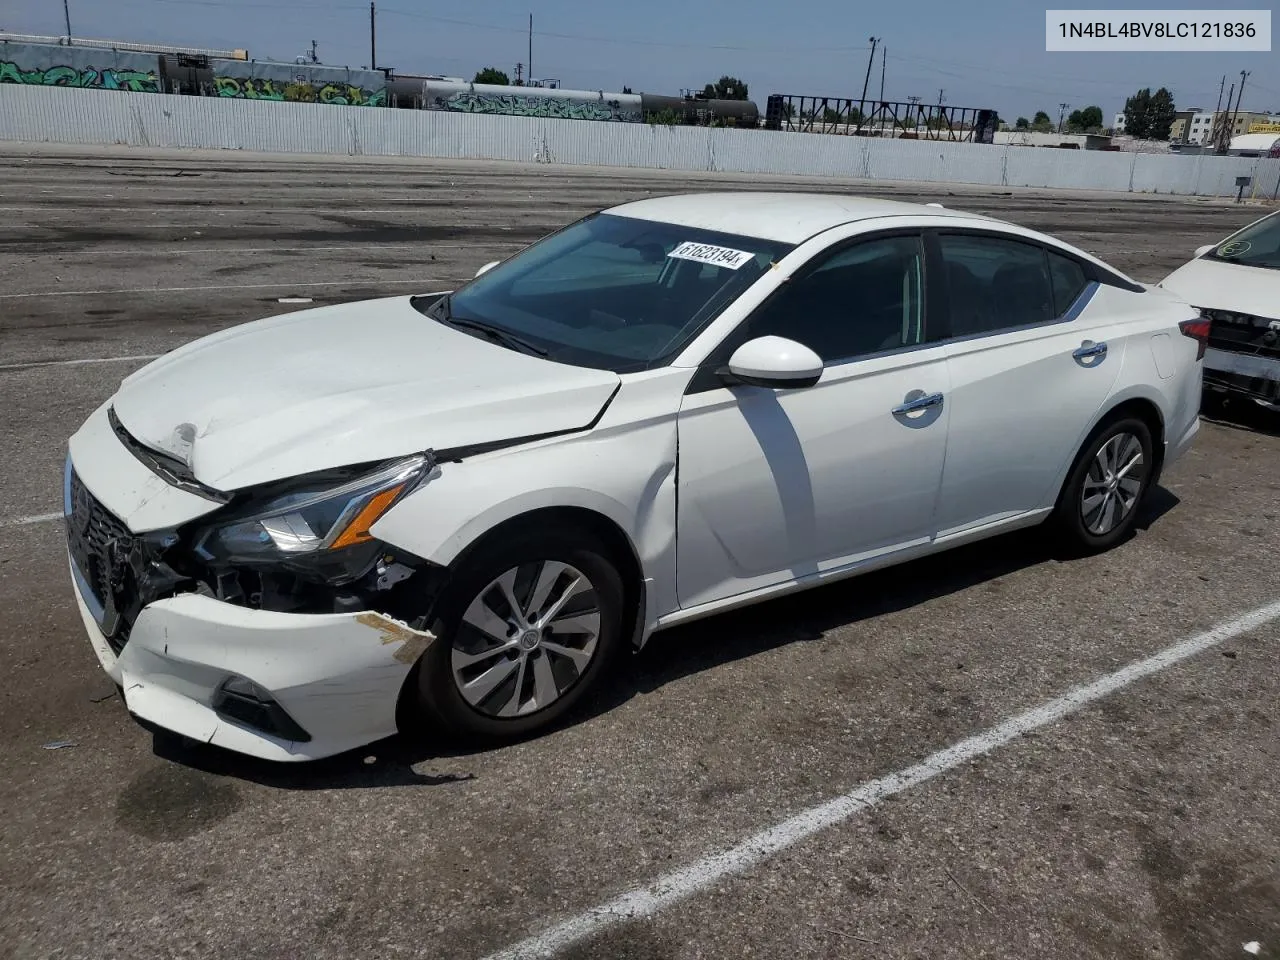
65	115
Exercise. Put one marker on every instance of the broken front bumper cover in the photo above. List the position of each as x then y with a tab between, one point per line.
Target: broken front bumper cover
326	682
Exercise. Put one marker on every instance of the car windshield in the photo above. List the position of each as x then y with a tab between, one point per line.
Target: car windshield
609	291
1257	245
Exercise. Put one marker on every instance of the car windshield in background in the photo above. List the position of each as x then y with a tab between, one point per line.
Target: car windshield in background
611	292
1257	245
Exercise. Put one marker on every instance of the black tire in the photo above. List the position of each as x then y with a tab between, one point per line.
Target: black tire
1068	517
438	694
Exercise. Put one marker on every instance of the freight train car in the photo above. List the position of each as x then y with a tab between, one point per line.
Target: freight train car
460	96
698	109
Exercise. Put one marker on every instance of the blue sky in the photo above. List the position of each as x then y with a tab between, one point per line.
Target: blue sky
993	58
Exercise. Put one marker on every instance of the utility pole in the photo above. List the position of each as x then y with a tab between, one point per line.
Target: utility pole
66	12
1239	97
530	60
1062	113
941	98
373	36
1220	124
866	80
884	52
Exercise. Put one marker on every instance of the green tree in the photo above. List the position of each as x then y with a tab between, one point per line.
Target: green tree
1082	121
492	75
853	117
726	88
1161	115
1137	114
1042	122
1022	124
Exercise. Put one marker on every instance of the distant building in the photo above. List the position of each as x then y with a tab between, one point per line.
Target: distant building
1235	123
1200	127
1117	125
1181	129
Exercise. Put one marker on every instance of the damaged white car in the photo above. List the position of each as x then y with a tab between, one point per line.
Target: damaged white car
1236	282
288	537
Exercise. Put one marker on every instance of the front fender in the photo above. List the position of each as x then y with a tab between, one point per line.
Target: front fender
625	474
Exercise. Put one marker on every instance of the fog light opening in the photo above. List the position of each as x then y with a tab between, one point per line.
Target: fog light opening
242	701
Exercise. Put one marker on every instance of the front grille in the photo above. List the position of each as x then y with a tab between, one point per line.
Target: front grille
100	545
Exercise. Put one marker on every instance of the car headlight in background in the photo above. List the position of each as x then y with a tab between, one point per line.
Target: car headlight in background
317	528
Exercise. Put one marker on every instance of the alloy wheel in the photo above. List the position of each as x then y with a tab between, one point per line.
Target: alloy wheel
526	639
1112	484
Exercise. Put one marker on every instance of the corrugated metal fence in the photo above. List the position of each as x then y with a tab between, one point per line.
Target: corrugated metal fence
62	115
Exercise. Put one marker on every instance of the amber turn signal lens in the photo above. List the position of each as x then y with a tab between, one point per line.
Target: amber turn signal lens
358	529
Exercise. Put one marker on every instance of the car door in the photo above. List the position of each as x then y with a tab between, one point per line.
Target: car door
779	484
1031	359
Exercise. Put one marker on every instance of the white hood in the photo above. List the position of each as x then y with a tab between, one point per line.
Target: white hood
346	384
1215	285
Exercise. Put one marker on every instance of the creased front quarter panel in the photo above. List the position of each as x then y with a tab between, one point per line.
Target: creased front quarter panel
624	469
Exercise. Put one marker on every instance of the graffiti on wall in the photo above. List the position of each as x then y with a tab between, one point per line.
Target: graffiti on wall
523	106
138	81
264	88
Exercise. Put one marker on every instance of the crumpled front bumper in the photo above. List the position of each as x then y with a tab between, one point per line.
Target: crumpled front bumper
1249	365
337	676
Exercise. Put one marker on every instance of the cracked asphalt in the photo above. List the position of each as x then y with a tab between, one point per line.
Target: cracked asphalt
1142	826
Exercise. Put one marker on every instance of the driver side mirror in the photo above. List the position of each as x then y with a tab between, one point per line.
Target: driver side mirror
772	362
487	267
1201	251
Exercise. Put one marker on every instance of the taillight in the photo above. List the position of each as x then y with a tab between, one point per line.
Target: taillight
1197	330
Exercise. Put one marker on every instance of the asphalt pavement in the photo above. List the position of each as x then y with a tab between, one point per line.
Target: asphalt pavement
1141	823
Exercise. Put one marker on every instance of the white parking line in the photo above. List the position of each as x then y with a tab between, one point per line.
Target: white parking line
75	363
680	884
26	521
283	285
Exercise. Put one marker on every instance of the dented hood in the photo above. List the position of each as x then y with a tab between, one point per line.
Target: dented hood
346	384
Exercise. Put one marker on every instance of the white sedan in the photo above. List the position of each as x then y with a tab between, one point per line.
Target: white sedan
1236	282
293	537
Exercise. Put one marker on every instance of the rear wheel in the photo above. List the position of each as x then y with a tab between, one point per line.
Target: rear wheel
1099	503
528	627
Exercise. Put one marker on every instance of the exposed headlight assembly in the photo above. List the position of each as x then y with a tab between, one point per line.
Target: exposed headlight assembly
315	527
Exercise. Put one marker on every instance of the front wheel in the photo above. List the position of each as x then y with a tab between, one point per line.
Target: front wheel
528	627
1099	502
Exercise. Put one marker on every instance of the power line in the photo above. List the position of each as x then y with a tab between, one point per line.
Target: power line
413	14
622	41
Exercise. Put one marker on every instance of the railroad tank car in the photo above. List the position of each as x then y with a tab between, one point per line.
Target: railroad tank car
455	95
462	97
697	109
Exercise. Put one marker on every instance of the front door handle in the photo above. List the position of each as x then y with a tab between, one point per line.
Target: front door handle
1084	353
919	403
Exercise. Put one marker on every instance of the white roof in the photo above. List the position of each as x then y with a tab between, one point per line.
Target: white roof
1254	141
784	217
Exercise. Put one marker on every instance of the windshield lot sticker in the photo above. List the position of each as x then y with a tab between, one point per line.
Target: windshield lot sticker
716	256
1234	248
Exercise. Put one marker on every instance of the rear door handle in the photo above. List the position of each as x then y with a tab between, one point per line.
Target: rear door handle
1084	353
919	403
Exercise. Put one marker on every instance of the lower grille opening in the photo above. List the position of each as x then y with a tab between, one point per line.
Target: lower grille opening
243	701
